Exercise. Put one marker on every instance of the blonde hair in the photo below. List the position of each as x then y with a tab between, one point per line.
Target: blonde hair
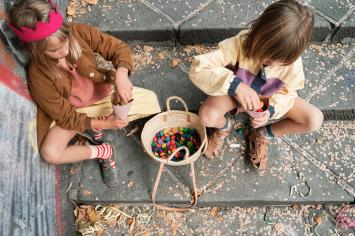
26	13
281	33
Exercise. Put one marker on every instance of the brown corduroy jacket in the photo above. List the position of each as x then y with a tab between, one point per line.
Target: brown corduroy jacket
52	95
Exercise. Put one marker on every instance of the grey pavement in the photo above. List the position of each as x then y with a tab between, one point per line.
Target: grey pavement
229	180
205	21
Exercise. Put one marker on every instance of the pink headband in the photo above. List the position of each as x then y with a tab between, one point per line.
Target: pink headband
42	29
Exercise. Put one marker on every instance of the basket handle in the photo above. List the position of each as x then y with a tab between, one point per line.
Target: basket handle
177	98
187	154
168	208
205	142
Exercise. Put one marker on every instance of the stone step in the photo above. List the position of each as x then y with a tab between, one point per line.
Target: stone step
204	21
325	158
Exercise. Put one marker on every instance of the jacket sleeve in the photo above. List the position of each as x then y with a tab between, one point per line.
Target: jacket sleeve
209	74
55	105
282	101
109	47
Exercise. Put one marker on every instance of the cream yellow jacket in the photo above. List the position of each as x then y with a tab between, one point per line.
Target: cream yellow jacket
219	73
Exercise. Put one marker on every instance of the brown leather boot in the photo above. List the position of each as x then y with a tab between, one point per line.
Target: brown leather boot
215	142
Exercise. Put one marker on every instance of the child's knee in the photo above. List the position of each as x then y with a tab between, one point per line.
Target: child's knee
209	115
315	120
49	155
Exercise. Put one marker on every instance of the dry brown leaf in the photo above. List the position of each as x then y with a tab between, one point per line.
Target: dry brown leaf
131	227
70	10
74	171
130	184
174	228
81	215
296	207
91	1
161	56
278	228
174	62
100	233
187	50
93	216
129	221
214	211
318	219
86	193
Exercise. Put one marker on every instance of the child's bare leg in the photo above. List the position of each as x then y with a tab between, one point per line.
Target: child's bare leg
55	149
212	114
302	118
213	110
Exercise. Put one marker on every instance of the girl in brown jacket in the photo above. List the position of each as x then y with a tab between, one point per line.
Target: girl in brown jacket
69	89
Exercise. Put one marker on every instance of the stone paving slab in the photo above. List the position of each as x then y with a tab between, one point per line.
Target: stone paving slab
347	30
223	19
334	147
334	10
128	20
200	21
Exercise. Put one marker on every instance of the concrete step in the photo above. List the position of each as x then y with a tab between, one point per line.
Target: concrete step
204	21
229	180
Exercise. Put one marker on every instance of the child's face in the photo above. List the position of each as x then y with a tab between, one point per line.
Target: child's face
57	49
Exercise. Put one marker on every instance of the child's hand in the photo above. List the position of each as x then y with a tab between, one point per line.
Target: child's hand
123	85
109	122
259	120
247	97
114	123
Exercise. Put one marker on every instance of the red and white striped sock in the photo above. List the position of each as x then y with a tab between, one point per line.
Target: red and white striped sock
113	164
98	134
103	151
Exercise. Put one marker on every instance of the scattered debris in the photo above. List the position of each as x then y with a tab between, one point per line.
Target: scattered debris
234	145
130	184
294	187
346	217
86	193
92	2
175	62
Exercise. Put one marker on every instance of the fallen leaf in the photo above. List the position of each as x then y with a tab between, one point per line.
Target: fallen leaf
278	228
86	193
296	207
318	219
81	215
93	216
131	227
130	184
161	56
91	1
174	62
100	233
214	211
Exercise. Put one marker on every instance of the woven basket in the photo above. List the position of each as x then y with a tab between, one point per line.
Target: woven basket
171	119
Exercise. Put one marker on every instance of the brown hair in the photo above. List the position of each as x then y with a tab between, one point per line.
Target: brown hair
282	32
26	13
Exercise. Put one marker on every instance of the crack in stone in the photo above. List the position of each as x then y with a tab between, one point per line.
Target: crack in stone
328	173
218	175
195	12
158	11
338	24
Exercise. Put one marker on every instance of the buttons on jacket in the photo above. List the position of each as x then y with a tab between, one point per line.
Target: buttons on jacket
91	74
